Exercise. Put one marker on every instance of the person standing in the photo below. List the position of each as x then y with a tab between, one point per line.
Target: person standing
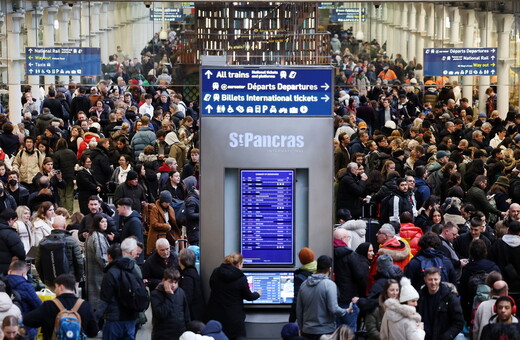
10	243
317	303
27	162
130	223
350	190
229	287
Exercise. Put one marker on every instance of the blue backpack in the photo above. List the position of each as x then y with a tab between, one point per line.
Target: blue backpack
427	262
67	325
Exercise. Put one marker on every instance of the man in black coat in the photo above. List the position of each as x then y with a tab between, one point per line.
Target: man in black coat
10	243
130	189
79	103
162	258
351	189
95	207
506	254
53	104
439	308
193	215
44	316
101	168
461	243
130	224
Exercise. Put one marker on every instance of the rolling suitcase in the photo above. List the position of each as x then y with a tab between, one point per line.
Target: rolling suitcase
369	215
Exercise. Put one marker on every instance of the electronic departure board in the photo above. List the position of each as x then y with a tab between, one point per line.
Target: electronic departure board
267	216
277	287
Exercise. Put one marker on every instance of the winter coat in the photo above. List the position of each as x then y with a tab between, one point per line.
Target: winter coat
394	272
373	321
74	257
506	254
7	307
41	229
144	137
349	278
412	234
400	322
358	230
132	226
21	196
461	244
317	306
10	245
192	217
109	294
213	329
447	319
300	275
153	268
25	233
414	272
87	184
43	121
96	258
398	203
422	191
397	249
101	168
87	221
27	164
191	284
151	167
350	191
136	194
9	143
158	225
229	287
29	299
477	197
65	160
170	314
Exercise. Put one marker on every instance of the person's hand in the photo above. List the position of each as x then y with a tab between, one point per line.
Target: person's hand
110	236
364	177
504	214
59	175
259	292
355	299
84	234
168	288
98	188
420	325
463	262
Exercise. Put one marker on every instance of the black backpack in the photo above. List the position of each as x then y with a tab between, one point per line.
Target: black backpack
53	256
133	295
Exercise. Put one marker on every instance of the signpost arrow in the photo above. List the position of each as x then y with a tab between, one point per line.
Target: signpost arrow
30	57
30	64
30	50
325	98
209	108
325	86
208	74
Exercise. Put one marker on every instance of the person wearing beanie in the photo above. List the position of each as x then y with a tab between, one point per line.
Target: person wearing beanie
401	321
291	331
131	189
308	267
162	222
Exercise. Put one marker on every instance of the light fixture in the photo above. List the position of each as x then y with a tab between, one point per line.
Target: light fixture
56	24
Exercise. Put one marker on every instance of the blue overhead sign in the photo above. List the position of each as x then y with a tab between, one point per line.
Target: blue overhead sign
62	61
266	91
170	14
349	15
460	61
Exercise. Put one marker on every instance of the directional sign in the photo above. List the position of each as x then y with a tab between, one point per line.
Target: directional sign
170	14
460	61
62	61
349	15
266	91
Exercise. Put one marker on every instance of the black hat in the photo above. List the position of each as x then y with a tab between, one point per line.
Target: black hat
131	175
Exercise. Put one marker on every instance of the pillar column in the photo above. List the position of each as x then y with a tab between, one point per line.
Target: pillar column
14	65
384	23
111	27
430	28
412	25
95	8
468	24
391	30
440	23
63	34
504	27
421	32
3	49
485	25
85	25
103	32
404	32
379	25
454	32
32	20
74	32
49	15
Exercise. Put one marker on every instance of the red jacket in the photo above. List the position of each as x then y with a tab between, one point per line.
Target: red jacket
412	235
397	249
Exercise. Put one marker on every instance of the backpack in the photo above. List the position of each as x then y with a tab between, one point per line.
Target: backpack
434	181
476	279
67	324
133	295
427	262
179	207
53	256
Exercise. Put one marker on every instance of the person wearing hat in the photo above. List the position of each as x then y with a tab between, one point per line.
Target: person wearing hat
398	159
131	189
163	102
162	221
477	196
501	191
401	320
442	157
308	267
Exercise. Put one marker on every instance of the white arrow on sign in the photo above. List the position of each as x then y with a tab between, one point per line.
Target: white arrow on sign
30	64
325	86
493	50
209	108
30	70
30	50
493	57
326	98
208	74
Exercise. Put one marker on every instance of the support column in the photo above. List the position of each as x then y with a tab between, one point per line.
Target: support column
14	65
32	20
103	34
404	32
504	27
94	23
390	42
412	24
74	32
85	25
485	25
379	24
111	26
455	27
49	15
468	22
3	50
63	34
421	33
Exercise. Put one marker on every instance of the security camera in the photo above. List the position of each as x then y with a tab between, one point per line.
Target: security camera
147	4
377	4
70	3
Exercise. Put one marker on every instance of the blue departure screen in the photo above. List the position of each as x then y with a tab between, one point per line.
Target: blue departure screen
267	216
277	287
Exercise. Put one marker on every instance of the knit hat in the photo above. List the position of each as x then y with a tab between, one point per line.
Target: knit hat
502	180
441	154
445	116
190	183
96	125
407	292
517	138
482	115
306	255
388	229
165	196
131	175
164	94
384	263
52	129
290	330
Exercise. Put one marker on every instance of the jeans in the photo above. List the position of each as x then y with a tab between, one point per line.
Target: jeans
349	319
119	330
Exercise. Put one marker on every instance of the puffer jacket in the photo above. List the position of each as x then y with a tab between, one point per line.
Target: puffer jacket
7	307
27	164
30	300
43	122
400	322
412	235
170	313
65	160
144	137
358	230
397	249
10	245
101	168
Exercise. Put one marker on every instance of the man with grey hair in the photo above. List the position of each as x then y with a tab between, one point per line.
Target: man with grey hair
73	262
351	190
162	258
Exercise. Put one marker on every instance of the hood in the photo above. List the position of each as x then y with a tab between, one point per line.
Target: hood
357	226
431	90
190	182
15	280
393	272
46	116
123	263
409	230
133	214
164	168
340	252
397	249
212	327
172	138
147	158
5	302
310	267
315	279
98	150
419	182
511	240
431	253
228	273
396	311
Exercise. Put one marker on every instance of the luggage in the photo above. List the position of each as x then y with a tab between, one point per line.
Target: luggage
369	215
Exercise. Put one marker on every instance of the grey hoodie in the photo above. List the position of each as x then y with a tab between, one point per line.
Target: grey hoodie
317	305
